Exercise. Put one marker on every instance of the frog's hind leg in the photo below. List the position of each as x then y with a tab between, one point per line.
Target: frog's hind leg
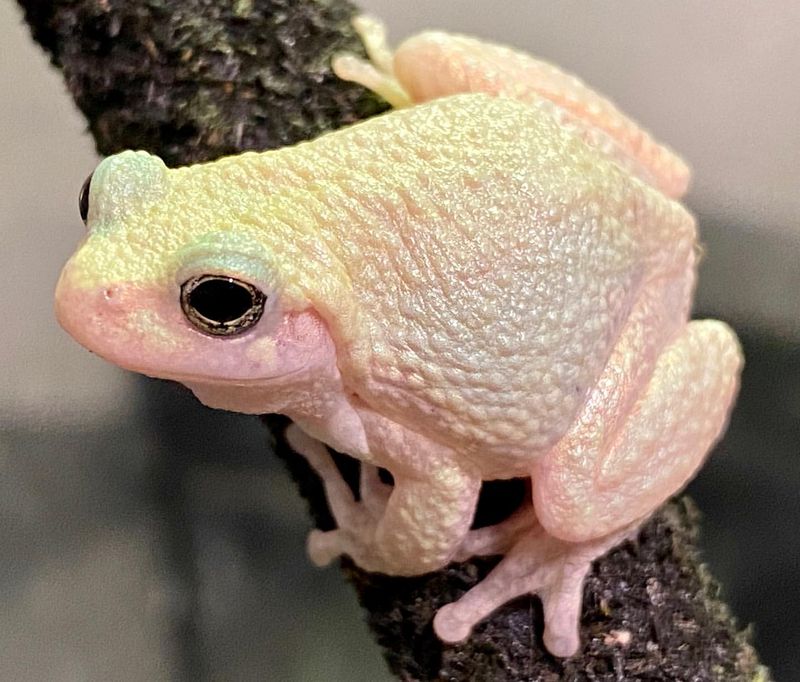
624	456
435	64
537	564
377	72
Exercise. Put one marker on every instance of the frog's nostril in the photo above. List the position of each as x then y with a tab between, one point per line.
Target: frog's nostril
109	293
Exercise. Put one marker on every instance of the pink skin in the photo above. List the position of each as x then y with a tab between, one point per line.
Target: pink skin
120	322
433	65
638	438
648	419
286	364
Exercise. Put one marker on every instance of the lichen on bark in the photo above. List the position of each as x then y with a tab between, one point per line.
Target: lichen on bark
193	80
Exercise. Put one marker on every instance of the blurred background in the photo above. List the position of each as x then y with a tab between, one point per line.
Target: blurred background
145	537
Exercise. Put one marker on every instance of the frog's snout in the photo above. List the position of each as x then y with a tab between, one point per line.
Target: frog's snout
141	327
127	323
92	314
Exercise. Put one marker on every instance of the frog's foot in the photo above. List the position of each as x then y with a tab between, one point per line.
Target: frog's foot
537	564
356	521
377	72
498	538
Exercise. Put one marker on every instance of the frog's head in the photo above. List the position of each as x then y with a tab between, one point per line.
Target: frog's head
178	278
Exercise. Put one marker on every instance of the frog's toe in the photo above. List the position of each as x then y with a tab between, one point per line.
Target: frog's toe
323	547
373	491
375	73
372	32
562	600
562	645
450	624
514	576
540	564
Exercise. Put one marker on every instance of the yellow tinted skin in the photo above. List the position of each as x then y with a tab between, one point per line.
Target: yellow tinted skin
482	285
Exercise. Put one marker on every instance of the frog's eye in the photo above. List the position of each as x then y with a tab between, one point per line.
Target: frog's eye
83	199
220	305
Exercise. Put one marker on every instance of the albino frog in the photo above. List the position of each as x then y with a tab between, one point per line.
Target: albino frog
492	281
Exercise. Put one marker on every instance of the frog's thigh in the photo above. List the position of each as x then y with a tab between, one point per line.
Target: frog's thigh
585	489
435	64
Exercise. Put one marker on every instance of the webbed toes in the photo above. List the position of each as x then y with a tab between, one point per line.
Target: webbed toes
537	564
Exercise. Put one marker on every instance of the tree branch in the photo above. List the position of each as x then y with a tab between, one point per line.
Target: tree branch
191	80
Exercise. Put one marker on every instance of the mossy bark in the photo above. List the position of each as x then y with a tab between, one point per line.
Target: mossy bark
192	80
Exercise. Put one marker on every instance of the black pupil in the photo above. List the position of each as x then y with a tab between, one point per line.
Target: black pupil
220	300
83	199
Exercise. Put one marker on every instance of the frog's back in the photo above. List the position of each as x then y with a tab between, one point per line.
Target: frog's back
492	258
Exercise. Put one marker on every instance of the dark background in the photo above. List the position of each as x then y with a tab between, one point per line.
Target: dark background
145	537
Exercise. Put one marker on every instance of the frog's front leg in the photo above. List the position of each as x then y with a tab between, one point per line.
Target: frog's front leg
417	527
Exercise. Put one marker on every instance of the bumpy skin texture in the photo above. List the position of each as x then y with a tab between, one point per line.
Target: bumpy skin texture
485	285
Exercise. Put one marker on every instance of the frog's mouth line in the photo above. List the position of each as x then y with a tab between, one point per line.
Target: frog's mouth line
119	329
124	360
187	378
208	380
